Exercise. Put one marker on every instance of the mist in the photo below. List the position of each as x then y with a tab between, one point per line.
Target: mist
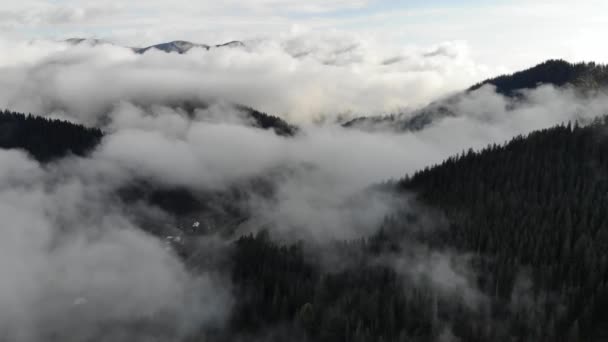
110	269
70	254
301	77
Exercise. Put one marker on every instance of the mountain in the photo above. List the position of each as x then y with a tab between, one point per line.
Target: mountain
582	76
266	121
414	121
177	46
248	115
556	72
529	215
232	44
48	139
182	47
44	139
533	206
86	41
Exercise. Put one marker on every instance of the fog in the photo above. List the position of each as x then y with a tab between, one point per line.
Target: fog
301	77
108	269
71	255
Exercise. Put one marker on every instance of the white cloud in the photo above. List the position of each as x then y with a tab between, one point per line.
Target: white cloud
512	34
73	262
297	76
109	263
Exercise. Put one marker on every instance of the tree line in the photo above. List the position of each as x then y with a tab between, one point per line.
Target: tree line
46	139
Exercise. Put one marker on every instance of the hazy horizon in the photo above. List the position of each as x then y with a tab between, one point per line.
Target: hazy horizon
498	33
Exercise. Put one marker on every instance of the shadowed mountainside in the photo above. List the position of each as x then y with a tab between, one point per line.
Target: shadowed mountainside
582	76
46	140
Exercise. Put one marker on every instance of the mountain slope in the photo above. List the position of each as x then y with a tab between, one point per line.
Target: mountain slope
44	139
536	204
177	46
266	121
49	140
86	41
555	72
530	216
415	121
249	116
582	76
181	47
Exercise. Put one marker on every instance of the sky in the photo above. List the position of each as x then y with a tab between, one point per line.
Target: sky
500	33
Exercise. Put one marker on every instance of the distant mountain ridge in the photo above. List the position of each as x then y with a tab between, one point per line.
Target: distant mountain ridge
557	72
182	47
47	140
88	41
177	46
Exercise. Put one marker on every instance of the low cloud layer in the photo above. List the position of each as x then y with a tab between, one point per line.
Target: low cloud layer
109	270
325	168
513	33
299	76
70	255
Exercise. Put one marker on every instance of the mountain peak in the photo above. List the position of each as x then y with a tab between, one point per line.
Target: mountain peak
557	72
178	46
182	46
87	41
234	43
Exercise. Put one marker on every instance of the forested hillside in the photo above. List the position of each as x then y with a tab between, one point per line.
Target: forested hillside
527	217
537	204
48	139
529	213
250	116
44	139
559	73
267	121
555	71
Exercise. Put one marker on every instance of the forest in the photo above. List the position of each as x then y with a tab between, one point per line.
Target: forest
527	214
317	171
557	72
582	77
46	140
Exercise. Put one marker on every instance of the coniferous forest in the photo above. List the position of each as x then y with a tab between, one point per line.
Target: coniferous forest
45	139
528	213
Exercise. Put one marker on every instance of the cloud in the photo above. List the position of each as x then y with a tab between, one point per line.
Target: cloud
301	77
449	274
74	264
38	14
319	178
320	174
545	29
139	100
